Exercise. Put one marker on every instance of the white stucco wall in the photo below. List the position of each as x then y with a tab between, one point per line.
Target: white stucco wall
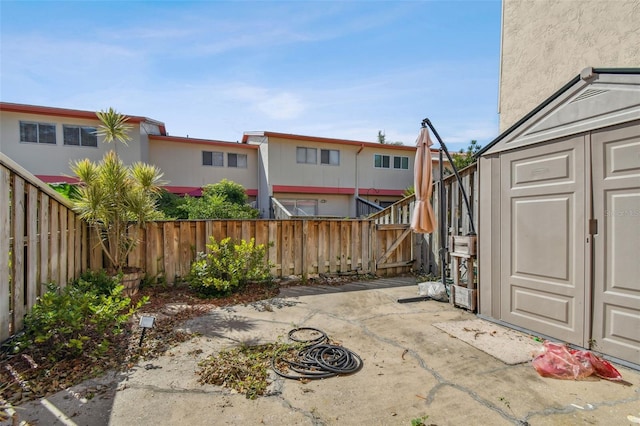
545	43
181	163
48	159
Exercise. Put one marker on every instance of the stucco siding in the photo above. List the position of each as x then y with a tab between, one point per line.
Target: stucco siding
285	170
378	178
546	43
49	159
182	164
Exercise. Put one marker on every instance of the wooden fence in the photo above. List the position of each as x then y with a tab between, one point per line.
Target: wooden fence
427	246
41	240
294	246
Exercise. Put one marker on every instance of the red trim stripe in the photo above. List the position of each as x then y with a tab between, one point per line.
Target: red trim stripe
57	179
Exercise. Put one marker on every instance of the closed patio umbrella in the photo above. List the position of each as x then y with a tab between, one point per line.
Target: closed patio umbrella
423	220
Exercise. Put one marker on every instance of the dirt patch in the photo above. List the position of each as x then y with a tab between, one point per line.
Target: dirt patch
30	375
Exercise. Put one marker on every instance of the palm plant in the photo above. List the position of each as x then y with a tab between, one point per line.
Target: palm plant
114	198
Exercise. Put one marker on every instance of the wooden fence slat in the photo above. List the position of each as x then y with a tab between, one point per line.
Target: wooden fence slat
201	236
85	247
309	247
297	251
77	243
287	248
345	237
366	248
5	243
32	246
71	248
323	247
44	223
17	291
185	249
170	249
64	247
274	250
334	246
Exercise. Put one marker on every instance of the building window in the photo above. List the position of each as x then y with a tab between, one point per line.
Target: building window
37	132
301	207
212	158
381	161
306	155
330	156
79	136
237	160
401	163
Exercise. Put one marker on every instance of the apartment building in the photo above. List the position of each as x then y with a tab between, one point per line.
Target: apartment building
45	140
326	177
189	164
306	175
545	43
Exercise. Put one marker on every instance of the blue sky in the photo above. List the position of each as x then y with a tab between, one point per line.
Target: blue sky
215	69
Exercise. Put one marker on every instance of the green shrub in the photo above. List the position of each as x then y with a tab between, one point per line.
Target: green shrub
98	282
228	266
73	321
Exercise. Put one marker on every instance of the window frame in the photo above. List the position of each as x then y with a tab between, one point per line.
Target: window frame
237	156
90	130
382	158
329	151
306	155
403	160
291	204
38	132
212	156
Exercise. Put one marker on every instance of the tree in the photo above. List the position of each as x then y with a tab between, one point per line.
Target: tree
169	204
382	138
116	199
464	158
223	200
229	190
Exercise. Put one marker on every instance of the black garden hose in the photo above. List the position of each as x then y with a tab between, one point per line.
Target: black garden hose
317	360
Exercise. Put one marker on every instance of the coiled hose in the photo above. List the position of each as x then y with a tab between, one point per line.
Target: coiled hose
317	359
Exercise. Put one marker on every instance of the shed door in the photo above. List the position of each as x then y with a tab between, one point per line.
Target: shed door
616	204
542	282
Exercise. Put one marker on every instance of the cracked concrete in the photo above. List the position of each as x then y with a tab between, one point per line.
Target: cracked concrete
411	369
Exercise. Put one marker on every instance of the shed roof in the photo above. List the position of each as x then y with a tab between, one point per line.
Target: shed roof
596	98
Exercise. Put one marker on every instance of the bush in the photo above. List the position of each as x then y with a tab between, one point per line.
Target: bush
76	320
98	282
228	266
223	200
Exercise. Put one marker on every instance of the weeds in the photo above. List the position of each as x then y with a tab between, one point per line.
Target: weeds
244	369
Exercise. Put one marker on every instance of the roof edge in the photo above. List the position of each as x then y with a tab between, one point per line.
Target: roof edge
524	119
586	74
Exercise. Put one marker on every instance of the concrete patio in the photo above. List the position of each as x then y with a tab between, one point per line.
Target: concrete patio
411	370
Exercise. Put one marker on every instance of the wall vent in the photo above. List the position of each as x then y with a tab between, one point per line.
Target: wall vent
589	93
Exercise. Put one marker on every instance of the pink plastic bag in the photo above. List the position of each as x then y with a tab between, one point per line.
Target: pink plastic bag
560	362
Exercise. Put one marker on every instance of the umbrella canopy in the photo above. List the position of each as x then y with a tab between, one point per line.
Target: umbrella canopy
423	221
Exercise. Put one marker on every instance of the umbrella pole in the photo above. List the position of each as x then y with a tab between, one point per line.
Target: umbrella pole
427	122
443	223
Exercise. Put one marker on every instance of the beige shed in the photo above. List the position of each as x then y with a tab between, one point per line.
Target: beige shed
559	219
